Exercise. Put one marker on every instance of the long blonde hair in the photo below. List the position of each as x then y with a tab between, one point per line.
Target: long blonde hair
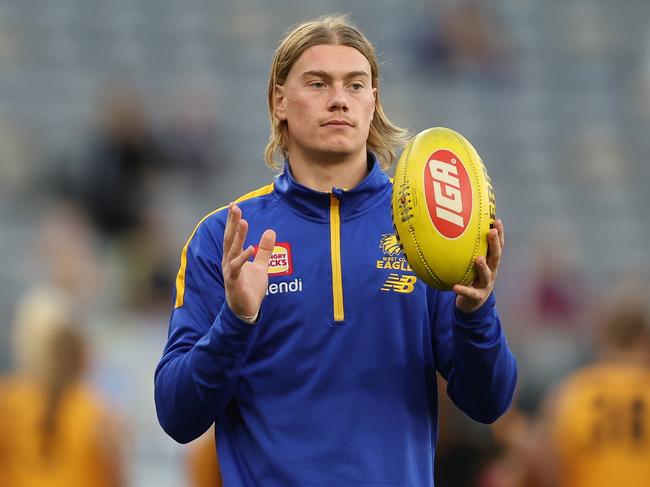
384	137
50	351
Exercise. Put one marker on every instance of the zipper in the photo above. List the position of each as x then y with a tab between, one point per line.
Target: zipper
335	246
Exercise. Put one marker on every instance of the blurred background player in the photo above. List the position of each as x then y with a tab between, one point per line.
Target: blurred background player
201	462
54	430
599	419
595	428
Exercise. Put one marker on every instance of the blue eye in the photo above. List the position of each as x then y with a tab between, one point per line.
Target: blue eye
357	86
317	84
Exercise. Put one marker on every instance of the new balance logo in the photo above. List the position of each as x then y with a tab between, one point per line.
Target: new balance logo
399	284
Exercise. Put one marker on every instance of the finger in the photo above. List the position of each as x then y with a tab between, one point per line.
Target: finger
483	272
468	292
494	253
498	224
234	215
265	248
238	240
238	262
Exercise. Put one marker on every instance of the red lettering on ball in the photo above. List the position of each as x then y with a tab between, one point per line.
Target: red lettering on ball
448	193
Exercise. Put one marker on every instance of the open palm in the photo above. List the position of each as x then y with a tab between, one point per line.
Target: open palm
245	282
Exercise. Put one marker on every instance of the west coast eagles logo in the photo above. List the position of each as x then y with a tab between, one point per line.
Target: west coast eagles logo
393	257
394	260
389	245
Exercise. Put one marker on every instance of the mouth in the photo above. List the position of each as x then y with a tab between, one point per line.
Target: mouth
337	123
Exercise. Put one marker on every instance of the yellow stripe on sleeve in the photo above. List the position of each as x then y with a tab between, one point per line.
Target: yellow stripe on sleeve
180	277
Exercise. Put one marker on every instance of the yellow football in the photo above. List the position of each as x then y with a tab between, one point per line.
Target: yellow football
443	207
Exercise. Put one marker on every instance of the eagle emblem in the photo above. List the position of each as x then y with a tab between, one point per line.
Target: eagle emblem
389	244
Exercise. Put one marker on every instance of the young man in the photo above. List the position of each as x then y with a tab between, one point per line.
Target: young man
316	363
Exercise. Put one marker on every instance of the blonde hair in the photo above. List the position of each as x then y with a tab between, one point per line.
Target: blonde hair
50	351
384	138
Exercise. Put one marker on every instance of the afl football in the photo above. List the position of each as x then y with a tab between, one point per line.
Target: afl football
443	206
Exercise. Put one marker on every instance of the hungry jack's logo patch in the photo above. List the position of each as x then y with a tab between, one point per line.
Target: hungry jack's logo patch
281	263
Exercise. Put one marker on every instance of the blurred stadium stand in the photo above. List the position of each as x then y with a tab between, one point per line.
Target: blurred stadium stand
560	112
562	129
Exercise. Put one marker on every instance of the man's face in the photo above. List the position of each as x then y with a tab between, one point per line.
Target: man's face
328	102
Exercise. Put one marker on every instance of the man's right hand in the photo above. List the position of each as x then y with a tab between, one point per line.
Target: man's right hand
245	282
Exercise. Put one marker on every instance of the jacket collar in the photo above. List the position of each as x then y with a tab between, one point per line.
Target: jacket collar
315	205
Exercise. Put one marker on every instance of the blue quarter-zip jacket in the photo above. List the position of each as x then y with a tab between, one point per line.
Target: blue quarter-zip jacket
335	385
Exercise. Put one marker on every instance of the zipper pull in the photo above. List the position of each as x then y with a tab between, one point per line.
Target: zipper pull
338	192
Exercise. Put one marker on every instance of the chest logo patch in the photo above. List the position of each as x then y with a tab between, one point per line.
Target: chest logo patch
393	258
389	245
281	263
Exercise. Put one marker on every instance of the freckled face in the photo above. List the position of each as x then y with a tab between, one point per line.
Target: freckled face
328	102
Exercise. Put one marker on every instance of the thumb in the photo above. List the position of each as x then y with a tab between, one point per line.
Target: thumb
265	248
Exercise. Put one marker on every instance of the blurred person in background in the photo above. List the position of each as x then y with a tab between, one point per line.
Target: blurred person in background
560	293
594	430
149	267
599	419
554	307
201	462
119	164
463	40
54	429
124	168
315	376
510	462
192	140
66	253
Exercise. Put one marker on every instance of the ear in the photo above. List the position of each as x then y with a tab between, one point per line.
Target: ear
280	102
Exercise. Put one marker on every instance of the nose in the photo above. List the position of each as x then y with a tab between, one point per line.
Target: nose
338	101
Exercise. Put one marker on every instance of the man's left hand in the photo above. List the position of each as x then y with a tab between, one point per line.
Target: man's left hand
471	298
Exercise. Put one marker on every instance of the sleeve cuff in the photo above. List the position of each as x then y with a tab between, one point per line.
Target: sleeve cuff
477	316
229	318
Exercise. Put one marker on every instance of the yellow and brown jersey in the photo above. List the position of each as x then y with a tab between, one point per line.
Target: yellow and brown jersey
81	452
202	465
601	427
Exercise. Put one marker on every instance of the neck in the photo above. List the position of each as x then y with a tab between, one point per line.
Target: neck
323	174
